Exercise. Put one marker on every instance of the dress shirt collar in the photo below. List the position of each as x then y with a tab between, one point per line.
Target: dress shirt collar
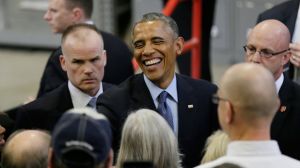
155	90
250	148
79	98
279	82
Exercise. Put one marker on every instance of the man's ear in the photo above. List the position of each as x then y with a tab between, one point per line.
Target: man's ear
62	60
104	57
109	160
78	14
50	158
179	45
286	57
229	116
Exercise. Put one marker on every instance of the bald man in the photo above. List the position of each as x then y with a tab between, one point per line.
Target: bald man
268	45
246	108
27	148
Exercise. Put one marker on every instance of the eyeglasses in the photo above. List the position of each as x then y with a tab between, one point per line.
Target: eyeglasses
263	53
215	99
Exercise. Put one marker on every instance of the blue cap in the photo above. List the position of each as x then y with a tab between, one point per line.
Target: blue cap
82	138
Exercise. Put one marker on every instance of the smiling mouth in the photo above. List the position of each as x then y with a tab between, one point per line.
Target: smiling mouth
152	61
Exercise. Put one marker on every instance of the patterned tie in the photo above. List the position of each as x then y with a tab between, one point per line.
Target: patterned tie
164	109
92	103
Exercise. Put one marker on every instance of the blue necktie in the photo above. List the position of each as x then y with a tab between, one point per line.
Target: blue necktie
92	103
164	109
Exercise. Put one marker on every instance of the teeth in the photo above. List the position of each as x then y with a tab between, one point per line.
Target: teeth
152	62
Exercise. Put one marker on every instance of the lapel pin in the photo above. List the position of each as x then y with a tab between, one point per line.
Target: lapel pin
282	108
190	106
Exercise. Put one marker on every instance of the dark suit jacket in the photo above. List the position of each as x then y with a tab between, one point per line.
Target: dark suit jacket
194	125
285	12
286	124
117	69
44	112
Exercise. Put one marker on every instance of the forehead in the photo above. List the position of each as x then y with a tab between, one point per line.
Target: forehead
265	39
152	28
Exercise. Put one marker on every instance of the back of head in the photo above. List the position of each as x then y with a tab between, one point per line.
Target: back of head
81	138
251	90
26	148
147	137
85	5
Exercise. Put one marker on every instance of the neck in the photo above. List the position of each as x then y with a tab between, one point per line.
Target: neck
250	134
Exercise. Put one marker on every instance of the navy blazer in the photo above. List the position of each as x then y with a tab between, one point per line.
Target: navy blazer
194	124
44	112
286	124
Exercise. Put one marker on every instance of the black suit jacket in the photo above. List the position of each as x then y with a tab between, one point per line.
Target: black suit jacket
286	124
117	69
285	12
194	125
44	112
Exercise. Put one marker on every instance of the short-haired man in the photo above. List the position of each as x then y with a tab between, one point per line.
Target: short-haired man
84	60
268	45
81	138
26	148
64	13
184	102
247	103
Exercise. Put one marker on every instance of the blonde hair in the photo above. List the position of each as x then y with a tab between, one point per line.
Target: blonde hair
215	147
146	136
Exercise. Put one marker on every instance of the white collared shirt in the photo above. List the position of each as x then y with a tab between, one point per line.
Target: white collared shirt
79	98
172	102
279	82
254	154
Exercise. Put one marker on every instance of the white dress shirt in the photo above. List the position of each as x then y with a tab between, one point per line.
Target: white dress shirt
254	154
80	99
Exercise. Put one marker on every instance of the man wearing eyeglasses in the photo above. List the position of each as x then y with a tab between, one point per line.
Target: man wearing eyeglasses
268	45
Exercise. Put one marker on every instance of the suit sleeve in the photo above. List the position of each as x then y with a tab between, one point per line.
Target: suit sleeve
53	75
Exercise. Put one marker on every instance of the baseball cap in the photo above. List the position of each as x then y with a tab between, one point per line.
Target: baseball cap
82	138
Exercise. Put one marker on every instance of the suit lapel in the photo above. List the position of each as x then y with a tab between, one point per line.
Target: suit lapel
280	117
186	104
141	97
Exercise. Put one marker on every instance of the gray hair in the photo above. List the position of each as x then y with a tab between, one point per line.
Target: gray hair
153	16
146	136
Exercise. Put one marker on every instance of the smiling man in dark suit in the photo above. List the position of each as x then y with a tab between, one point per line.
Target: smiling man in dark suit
189	109
84	60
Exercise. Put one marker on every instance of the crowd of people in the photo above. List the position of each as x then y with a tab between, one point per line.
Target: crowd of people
87	116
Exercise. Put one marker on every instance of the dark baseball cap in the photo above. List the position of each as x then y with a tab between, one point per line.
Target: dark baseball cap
82	138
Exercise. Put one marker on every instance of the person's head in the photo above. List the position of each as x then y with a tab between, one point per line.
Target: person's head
215	147
146	136
83	57
26	148
247	101
156	44
81	139
268	44
64	13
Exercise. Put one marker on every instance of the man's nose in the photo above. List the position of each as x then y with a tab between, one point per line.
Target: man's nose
148	50
255	58
46	16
